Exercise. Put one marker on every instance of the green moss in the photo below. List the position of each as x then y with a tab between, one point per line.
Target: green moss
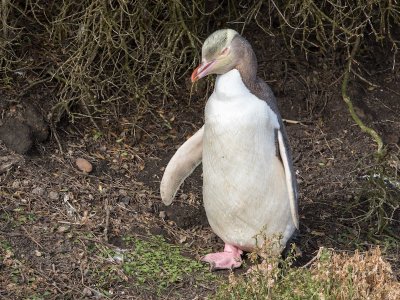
151	264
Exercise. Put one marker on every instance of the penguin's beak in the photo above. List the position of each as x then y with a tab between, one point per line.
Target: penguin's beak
202	70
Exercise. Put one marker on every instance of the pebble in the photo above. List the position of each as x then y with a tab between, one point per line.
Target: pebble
38	191
126	200
53	195
162	214
87	292
62	228
16	184
182	239
123	192
84	165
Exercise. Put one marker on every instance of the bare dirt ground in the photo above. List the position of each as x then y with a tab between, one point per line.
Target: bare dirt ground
55	221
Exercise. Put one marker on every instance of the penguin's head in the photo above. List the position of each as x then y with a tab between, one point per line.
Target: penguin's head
218	56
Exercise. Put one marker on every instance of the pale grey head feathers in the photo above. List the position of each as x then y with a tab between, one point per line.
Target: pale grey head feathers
223	51
216	42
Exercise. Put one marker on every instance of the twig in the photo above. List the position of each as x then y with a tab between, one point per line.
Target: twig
107	209
33	240
70	223
294	122
350	106
55	134
364	79
314	258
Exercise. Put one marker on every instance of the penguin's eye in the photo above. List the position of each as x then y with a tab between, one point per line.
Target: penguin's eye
225	51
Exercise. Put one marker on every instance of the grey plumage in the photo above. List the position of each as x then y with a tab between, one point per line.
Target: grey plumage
259	88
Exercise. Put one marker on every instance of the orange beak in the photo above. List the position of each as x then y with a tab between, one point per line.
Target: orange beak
202	70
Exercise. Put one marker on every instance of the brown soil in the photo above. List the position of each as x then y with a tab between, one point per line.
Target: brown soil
51	213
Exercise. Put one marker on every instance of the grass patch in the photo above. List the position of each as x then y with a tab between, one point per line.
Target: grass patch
330	276
17	217
158	262
152	265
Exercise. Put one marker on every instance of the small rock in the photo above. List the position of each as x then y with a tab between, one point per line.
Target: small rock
16	184
182	239
126	200
162	214
53	195
123	192
38	253
17	136
87	291
36	122
38	191
62	228
84	165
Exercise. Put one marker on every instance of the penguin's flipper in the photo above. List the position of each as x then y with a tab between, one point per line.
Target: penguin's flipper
181	165
289	174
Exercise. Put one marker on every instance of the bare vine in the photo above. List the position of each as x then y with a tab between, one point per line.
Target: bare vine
349	103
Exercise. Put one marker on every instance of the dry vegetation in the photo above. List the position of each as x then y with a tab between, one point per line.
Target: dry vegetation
112	56
113	62
330	275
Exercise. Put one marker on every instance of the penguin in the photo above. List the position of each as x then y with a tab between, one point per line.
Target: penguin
249	185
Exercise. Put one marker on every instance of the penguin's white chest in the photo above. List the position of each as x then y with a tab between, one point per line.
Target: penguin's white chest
244	188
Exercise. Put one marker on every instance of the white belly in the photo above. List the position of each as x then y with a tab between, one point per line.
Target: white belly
245	192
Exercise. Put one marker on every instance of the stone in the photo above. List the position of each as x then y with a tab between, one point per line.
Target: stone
38	191
125	199
84	165
62	228
16	184
17	136
35	121
53	195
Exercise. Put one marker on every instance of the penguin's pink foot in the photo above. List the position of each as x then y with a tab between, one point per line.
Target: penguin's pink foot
229	259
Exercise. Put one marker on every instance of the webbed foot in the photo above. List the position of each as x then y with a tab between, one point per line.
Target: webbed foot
229	259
